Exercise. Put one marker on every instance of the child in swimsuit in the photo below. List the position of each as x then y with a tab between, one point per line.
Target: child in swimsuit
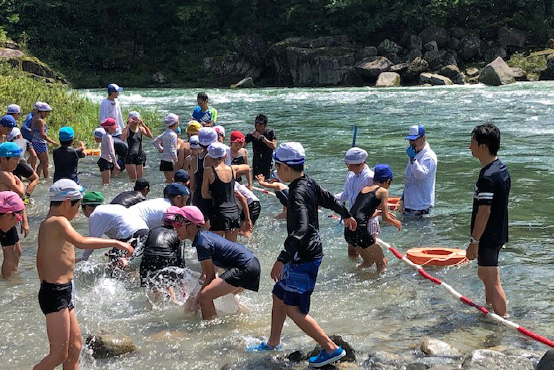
40	138
55	265
367	202
133	133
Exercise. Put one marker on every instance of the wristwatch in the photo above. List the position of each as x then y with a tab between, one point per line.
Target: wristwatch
472	240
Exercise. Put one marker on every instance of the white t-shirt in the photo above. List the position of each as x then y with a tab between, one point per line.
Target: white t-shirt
109	108
250	197
419	183
151	211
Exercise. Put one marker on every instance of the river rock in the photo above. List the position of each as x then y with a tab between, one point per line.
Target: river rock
457	32
434	58
470	48
434	33
494	52
453	73
435	347
399	68
417	66
368	51
159	79
389	47
547	361
374	68
547	73
339	341
107	345
10	53
296	356
454	43
244	83
388	79
471	72
252	47
519	74
483	359
414	42
414	53
510	37
434	79
383	361
496	73
431	46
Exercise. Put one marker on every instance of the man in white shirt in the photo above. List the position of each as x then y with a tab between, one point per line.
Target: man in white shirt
152	211
110	107
421	171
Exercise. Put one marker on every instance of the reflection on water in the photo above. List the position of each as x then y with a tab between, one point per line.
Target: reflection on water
391	312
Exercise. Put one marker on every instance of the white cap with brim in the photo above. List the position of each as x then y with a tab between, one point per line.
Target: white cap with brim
355	156
63	189
13	109
133	114
290	153
217	150
193	142
171	119
13	134
99	132
43	107
207	135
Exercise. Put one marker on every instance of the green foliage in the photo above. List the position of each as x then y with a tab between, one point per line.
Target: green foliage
531	64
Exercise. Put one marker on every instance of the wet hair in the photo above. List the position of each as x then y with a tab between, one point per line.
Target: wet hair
261	119
66	143
296	167
57	203
202	96
489	135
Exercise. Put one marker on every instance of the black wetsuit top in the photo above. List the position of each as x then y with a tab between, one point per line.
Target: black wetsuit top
162	242
238	160
66	160
303	243
128	198
223	197
198	178
262	155
364	207
134	140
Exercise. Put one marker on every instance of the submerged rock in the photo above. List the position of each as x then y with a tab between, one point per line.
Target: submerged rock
484	359
107	345
497	73
388	79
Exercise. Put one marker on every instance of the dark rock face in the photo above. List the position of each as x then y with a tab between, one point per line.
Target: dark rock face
470	48
493	53
433	33
106	345
252	47
510	37
548	72
414	53
389	47
374	68
414	42
496	73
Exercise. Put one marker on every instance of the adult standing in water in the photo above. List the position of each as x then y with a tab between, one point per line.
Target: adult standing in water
489	218
40	138
110	107
133	133
421	171
264	142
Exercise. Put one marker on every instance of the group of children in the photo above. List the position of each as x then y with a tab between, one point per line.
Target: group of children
211	214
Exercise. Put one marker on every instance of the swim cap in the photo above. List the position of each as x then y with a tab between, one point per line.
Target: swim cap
108	122
8	121
206	136
193	141
13	108
220	130
355	156
133	114
174	189
237	137
93	198
181	176
217	150
13	133
290	153
66	188
66	133
171	119
10	202
193	127
43	107
189	213
382	172
99	132
9	149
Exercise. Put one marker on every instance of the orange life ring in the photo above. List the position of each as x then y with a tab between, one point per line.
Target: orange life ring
393	202
92	152
437	256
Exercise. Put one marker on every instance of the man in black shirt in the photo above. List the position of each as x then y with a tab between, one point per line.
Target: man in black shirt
264	142
489	219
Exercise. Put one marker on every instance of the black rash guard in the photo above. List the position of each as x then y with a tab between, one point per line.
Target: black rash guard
128	198
303	243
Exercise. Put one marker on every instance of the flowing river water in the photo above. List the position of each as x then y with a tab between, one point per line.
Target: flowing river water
391	312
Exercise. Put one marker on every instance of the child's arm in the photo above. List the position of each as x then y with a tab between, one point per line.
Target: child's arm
13	183
40	127
173	141
207	179
157	143
81	150
327	200
85	242
145	129
208	270
385	215
25	224
245	209
125	133
112	150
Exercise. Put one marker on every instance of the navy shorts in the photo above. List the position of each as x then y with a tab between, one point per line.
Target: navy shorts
10	237
487	255
105	165
247	277
297	284
166	166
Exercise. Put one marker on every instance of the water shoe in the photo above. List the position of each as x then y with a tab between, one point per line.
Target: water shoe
324	358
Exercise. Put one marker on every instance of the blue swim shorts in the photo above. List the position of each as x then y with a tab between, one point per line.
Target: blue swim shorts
297	284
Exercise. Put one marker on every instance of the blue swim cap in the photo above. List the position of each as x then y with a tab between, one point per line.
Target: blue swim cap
10	149
8	121
66	133
382	172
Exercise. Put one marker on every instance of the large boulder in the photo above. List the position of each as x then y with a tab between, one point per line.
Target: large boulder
107	345
497	73
414	42
431	46
159	78
434	79
453	73
9	53
434	33
510	37
417	66
231	67
547	361
252	47
399	68
375	67
470	47
414	53
519	74
494	52
483	359
547	73
389	47
388	79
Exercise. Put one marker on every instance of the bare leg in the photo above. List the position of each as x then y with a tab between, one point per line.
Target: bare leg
352	252
217	288
131	171
490	276
43	165
75	343
58	327
106	175
310	327
11	260
168	177
140	169
278	317
33	182
232	234
373	254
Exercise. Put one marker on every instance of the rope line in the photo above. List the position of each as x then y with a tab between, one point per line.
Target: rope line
467	301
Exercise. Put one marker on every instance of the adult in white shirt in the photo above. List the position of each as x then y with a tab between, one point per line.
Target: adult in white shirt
421	171
152	211
110	107
114	221
359	176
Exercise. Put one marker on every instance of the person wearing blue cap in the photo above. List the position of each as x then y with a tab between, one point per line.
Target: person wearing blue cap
9	159
367	202
296	268
421	171
7	123
39	129
110	108
66	158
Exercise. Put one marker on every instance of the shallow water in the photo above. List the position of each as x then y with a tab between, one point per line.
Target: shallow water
390	312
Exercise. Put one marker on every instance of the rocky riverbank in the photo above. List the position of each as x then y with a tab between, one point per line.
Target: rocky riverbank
435	56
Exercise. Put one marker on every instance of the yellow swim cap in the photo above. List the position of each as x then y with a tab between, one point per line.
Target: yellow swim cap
193	127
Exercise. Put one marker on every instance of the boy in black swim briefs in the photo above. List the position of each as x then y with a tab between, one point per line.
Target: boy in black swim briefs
489	219
55	265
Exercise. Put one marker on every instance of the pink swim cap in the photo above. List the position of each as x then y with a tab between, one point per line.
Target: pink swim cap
10	202
189	213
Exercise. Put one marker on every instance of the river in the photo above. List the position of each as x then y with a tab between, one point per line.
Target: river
391	312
